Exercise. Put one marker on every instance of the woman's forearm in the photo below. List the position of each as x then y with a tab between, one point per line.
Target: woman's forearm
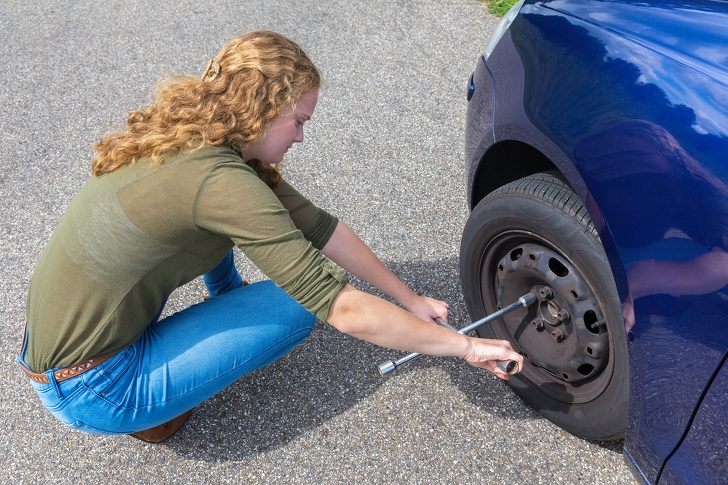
377	321
348	251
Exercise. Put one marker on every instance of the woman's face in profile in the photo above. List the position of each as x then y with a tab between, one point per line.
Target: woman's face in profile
285	130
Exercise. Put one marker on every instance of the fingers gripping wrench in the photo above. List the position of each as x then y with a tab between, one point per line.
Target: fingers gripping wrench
507	366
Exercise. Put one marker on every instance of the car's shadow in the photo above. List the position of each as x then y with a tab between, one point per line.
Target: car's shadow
327	375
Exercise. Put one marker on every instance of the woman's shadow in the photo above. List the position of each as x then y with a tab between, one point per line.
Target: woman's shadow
327	375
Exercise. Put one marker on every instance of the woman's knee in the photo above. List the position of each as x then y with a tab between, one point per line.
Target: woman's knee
305	318
295	312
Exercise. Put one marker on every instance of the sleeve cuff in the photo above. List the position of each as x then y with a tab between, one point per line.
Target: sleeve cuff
322	230
341	277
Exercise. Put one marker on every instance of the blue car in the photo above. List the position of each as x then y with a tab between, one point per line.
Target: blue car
597	153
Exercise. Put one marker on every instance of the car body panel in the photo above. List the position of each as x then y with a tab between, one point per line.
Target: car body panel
701	456
634	113
479	135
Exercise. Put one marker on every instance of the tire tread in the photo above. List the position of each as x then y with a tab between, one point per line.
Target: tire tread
548	187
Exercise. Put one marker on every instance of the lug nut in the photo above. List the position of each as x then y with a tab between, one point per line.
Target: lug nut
563	315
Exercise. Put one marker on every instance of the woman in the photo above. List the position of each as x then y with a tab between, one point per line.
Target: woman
192	175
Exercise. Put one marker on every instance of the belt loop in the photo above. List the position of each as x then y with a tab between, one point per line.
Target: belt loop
52	381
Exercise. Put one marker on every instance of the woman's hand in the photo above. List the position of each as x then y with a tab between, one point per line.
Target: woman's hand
382	323
348	251
628	313
484	353
427	308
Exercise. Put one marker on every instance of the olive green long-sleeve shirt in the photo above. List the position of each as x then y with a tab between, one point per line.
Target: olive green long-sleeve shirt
131	237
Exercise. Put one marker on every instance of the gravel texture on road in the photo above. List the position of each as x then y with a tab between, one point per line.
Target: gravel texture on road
384	152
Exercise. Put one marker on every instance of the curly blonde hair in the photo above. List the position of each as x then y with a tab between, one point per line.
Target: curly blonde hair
241	91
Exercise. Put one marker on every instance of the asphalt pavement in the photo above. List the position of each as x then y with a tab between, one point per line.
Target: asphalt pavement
384	152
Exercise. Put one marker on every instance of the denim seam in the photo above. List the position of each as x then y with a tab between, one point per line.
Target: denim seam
65	401
119	406
118	361
76	424
106	374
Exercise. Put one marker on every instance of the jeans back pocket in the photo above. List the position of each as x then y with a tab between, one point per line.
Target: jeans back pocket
111	380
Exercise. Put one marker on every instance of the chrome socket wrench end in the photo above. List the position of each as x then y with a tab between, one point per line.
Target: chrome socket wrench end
507	366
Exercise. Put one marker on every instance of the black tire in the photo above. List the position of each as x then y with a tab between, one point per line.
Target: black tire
532	233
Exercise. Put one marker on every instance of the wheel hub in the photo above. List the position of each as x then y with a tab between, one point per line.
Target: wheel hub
551	312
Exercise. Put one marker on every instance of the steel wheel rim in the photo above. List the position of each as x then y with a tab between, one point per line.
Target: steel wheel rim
569	360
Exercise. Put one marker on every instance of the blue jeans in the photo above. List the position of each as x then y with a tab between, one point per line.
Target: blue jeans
182	360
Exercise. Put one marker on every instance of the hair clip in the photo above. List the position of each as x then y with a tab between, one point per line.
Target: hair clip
211	71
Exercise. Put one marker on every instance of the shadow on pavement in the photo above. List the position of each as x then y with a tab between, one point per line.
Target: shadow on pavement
329	374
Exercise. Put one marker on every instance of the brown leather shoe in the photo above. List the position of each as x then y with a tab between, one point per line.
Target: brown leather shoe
163	431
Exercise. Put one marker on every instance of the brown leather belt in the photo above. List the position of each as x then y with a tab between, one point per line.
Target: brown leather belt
67	373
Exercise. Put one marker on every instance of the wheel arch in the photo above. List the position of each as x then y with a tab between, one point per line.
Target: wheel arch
505	162
510	160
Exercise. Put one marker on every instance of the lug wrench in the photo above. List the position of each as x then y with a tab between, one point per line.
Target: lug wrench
507	366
